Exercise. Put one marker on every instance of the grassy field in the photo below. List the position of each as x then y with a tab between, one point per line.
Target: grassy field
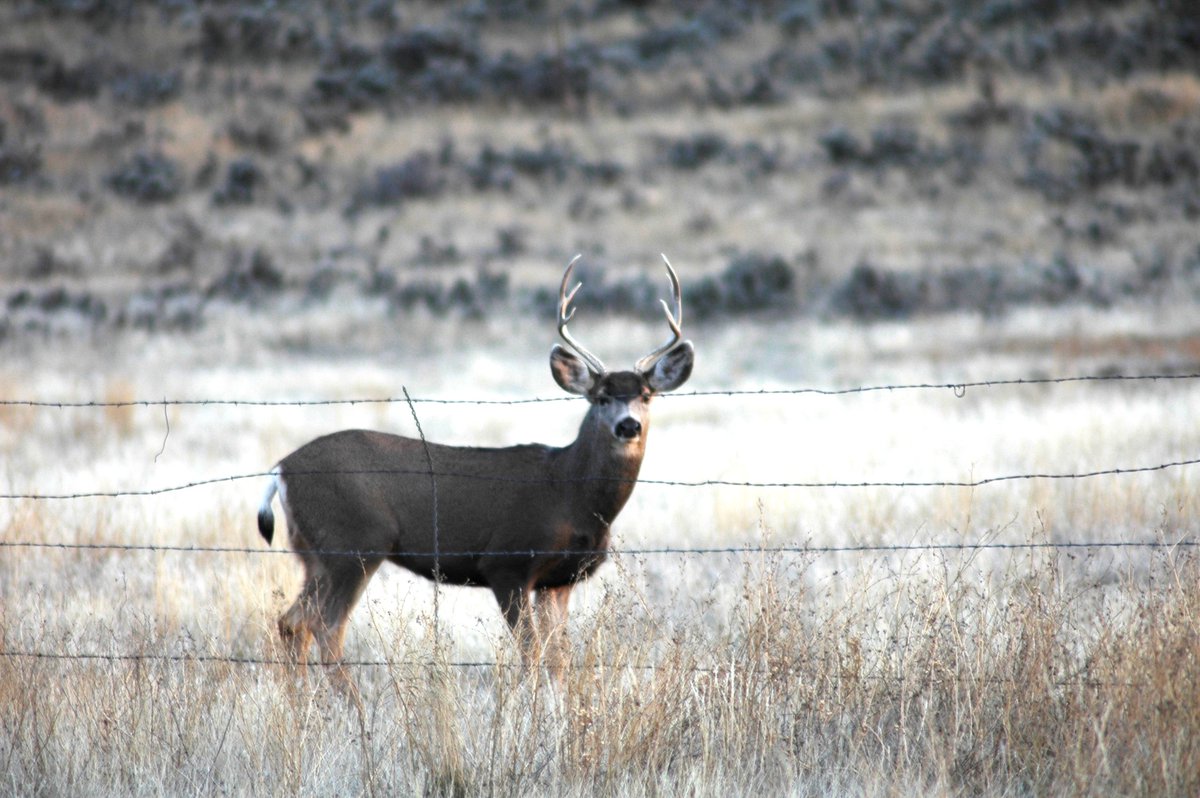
308	202
881	671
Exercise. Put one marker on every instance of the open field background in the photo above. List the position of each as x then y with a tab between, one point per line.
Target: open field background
287	202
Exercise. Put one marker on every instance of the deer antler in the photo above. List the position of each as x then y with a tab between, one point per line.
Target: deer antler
564	302
673	321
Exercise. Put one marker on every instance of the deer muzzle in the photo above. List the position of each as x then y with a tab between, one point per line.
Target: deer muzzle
628	428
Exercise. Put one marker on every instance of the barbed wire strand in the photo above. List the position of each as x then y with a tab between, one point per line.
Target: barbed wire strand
851	548
699	483
794	671
959	388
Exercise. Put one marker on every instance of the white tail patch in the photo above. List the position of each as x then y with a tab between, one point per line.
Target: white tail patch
266	518
273	487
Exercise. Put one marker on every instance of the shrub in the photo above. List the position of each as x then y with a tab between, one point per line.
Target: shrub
147	88
148	177
841	146
694	152
18	163
245	281
413	178
871	293
242	179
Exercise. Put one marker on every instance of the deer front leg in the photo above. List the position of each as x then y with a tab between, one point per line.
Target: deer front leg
551	613
513	597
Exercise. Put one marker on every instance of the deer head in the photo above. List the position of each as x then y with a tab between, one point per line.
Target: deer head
620	400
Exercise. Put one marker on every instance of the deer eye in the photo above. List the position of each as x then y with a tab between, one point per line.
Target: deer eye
603	401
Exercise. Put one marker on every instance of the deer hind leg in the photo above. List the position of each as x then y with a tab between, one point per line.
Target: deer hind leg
319	613
342	585
297	624
295	629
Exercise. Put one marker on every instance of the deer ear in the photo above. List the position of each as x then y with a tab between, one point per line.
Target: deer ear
571	374
672	369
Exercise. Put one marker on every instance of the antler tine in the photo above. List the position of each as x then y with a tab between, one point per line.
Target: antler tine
674	321
566	313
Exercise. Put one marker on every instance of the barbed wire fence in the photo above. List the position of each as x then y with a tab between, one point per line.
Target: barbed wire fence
959	389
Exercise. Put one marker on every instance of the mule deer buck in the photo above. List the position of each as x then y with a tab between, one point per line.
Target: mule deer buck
528	522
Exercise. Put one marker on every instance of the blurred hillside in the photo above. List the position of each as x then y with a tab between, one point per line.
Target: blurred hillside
863	158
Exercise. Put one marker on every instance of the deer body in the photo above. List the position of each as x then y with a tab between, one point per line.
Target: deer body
383	502
524	521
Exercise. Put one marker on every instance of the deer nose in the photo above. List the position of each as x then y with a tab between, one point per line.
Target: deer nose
628	428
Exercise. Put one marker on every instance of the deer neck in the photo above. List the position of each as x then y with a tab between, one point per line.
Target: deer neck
602	469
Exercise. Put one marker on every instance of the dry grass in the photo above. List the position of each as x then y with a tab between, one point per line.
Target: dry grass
1034	685
984	671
